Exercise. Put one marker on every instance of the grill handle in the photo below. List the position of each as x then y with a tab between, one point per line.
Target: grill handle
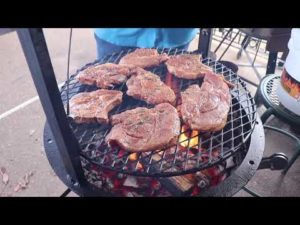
277	161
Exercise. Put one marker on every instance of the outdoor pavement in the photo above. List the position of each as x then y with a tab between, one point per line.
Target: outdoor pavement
22	118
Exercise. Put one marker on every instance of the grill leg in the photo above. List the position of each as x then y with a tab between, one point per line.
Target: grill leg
37	56
66	192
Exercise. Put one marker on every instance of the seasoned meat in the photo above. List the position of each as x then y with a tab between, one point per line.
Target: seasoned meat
206	108
94	106
187	66
144	58
106	75
142	129
147	86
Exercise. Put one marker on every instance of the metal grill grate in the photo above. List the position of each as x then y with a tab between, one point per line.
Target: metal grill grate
209	148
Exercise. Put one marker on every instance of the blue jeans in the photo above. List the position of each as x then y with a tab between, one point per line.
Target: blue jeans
105	48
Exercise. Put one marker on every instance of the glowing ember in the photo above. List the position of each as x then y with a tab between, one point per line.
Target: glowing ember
188	140
121	153
196	191
139	166
133	156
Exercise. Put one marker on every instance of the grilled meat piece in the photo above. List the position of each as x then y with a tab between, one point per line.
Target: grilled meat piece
187	66
147	86
142	129
144	58
94	106
206	108
106	75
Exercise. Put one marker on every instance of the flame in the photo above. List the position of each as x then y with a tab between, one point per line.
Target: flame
133	156
185	137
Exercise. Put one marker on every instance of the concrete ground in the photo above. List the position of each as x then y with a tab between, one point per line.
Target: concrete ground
22	118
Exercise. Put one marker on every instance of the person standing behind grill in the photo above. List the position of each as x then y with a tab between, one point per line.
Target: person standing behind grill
113	40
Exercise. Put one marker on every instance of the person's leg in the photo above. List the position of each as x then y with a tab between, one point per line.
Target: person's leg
105	48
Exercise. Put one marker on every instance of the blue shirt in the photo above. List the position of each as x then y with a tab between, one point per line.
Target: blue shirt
147	37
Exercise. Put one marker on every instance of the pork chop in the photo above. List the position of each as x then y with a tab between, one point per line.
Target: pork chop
142	129
94	106
187	66
106	75
206	108
144	58
148	87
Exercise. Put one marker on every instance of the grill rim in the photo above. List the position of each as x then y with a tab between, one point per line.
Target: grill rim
167	174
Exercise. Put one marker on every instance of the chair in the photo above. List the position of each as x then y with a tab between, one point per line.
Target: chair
277	40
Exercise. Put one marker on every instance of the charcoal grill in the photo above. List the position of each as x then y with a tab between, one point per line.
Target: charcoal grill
70	147
172	161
